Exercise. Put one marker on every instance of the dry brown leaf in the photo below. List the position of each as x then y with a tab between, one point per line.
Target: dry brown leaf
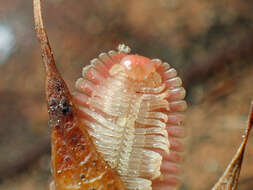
76	164
229	179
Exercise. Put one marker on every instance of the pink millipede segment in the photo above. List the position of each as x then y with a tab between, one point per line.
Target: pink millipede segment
131	106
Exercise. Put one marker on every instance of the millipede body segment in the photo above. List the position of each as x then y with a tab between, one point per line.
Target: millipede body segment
131	106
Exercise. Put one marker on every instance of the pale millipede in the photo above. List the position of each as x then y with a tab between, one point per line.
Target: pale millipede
131	106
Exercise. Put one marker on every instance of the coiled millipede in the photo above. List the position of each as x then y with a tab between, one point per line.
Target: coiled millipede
128	103
122	129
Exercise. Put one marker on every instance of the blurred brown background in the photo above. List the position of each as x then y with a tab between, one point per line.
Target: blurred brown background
209	42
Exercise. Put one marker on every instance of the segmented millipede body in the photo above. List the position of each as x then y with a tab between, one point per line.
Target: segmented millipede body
131	106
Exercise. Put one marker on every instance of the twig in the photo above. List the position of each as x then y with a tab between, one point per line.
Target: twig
47	55
229	180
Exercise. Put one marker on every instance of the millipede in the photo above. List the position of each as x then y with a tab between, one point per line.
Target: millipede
126	101
121	129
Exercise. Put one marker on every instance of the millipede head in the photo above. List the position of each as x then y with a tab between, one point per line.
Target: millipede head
138	67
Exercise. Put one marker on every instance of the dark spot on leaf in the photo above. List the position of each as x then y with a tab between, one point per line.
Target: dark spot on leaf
52	102
82	176
65	107
58	86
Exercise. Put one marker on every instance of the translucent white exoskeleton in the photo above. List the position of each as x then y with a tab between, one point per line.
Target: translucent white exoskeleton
130	104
